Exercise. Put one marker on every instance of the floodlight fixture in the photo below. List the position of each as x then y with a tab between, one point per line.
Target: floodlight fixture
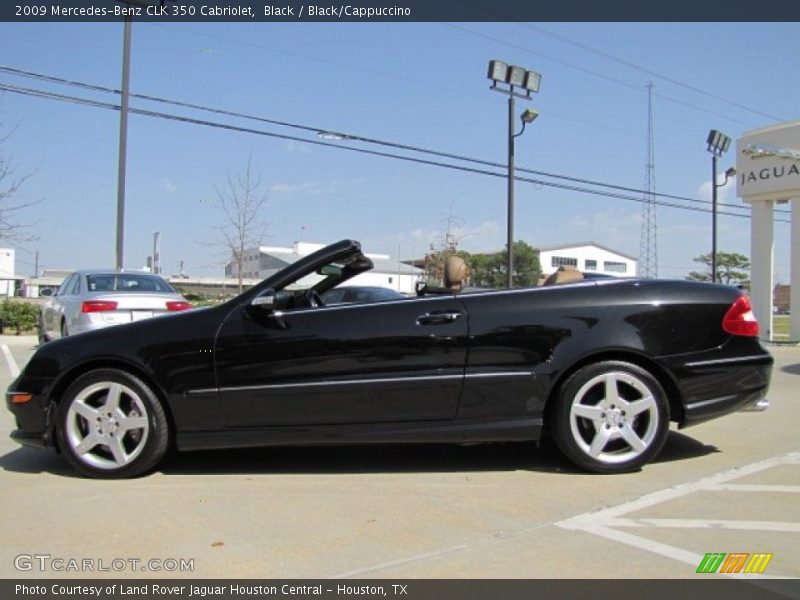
532	81
718	142
528	116
498	71
516	76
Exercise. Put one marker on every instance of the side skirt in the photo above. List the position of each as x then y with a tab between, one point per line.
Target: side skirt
448	432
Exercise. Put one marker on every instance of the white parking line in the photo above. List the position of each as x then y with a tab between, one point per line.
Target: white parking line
601	522
708	524
749	487
12	364
606	514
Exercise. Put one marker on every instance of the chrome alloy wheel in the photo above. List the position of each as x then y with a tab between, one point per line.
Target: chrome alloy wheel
107	425
614	417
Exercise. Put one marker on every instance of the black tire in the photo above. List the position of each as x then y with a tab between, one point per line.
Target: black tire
43	337
110	424
64	329
607	432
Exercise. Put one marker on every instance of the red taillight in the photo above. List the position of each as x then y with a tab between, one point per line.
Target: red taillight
740	320
178	305
90	306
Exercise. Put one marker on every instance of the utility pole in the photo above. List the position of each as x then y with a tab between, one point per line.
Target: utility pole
123	142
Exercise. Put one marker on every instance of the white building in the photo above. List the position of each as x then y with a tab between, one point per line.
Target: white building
8	278
264	261
588	257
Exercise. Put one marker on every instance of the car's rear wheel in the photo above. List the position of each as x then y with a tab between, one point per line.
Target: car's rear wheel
611	417
64	329
111	424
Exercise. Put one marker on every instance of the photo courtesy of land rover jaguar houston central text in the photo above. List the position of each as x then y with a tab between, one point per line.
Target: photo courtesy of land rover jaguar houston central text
601	366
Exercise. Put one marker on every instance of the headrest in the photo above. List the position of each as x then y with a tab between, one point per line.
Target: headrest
456	271
564	274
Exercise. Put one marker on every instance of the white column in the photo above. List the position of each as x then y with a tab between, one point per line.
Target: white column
794	269
761	258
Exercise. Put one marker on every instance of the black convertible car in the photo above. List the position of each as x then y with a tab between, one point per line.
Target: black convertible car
601	366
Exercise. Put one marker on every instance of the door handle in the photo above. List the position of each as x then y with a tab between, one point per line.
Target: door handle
438	318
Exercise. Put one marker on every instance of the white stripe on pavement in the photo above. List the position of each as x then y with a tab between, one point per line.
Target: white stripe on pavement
12	364
785	527
754	487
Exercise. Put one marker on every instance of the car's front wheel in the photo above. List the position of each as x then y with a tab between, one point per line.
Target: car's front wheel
611	417
111	424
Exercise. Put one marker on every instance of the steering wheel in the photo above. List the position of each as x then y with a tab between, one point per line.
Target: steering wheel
313	299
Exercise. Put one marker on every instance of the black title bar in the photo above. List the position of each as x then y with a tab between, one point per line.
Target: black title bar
399	11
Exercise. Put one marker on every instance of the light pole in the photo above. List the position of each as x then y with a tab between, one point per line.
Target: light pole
718	143
529	82
123	143
123	122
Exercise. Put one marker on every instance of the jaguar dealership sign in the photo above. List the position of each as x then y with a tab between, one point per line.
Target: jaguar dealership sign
768	163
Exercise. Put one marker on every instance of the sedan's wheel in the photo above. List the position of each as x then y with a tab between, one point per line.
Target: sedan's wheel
111	424
43	337
611	417
64	329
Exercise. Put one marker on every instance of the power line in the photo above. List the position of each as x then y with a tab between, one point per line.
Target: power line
167	116
350	137
649	72
596	74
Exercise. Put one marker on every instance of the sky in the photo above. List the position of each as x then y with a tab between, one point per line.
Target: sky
416	84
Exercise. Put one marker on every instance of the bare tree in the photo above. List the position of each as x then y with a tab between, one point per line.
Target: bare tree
445	244
241	200
10	184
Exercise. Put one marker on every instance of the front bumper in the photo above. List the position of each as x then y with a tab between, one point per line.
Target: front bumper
33	420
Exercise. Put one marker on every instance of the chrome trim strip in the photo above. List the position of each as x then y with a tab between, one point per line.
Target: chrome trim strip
281	386
503	374
723	361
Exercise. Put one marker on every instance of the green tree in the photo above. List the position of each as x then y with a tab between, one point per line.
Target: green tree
489	270
732	269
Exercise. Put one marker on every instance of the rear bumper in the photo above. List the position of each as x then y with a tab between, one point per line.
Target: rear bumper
757	406
717	407
713	387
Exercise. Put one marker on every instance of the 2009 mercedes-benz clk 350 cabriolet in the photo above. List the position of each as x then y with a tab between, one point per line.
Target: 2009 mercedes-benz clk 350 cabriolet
601	366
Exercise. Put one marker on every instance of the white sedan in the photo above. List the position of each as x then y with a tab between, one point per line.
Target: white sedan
90	300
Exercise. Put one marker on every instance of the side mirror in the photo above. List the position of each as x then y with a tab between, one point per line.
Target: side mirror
268	300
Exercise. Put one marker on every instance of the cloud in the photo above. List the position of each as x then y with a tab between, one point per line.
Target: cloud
170	187
311	188
619	229
723	191
294	147
485	237
308	187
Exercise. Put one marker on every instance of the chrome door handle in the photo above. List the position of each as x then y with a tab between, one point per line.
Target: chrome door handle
438	318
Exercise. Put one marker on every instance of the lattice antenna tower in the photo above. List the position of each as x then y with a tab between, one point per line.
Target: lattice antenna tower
648	241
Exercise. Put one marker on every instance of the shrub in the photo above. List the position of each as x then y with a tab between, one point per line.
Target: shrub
18	316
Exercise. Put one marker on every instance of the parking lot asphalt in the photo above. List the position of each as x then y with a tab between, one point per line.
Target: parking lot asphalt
485	511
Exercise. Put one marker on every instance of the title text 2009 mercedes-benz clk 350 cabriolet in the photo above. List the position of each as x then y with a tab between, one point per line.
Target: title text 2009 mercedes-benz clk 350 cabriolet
601	366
